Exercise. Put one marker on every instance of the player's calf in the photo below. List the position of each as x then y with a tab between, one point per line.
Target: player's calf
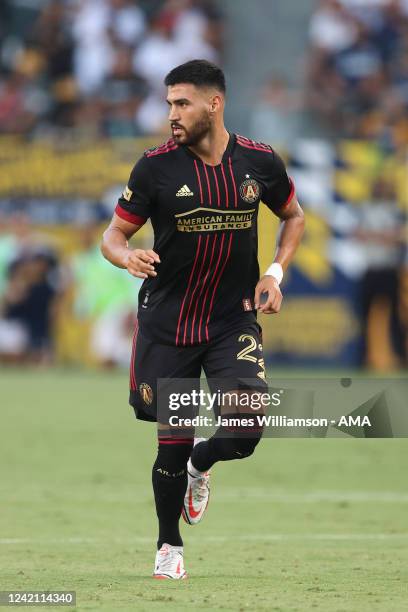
225	445
169	479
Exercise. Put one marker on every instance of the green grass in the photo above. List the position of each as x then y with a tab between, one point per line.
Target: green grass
317	524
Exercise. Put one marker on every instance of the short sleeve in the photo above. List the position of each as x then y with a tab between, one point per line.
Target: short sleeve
134	205
280	189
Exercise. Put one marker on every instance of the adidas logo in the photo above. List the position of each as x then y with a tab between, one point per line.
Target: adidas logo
184	191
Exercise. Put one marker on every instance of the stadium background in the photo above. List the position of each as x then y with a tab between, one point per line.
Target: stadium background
81	96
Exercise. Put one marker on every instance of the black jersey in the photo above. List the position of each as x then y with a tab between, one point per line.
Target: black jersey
205	231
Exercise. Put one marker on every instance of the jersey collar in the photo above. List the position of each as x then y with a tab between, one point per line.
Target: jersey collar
227	153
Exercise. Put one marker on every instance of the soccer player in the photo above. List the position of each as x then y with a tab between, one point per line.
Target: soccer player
201	291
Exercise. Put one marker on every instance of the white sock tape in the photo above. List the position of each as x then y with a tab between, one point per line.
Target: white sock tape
276	271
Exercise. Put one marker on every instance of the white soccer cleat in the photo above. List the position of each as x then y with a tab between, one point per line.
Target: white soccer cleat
169	563
197	492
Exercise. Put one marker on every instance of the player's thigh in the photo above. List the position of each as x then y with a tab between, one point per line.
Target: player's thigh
236	362
157	370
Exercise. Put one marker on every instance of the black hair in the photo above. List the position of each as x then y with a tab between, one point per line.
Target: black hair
200	73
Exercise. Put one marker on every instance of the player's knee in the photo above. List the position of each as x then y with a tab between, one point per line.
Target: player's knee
171	461
229	448
245	447
237	441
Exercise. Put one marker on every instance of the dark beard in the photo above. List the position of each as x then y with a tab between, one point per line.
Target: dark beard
197	133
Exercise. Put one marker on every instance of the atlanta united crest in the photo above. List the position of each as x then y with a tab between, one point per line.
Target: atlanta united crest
249	191
146	393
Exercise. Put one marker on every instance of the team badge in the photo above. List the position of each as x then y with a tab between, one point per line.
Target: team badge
146	393
249	191
127	193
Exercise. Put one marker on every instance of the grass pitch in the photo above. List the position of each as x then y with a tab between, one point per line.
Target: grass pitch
303	525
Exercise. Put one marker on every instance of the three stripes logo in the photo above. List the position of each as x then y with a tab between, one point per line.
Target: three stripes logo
184	191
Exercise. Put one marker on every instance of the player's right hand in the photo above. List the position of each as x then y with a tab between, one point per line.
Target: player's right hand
140	263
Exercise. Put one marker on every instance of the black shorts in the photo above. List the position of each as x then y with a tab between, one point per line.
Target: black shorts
233	360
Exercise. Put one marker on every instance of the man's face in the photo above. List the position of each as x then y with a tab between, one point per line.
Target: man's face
189	116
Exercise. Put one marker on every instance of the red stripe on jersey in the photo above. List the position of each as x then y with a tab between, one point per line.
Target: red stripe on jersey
218	189
225	185
195	289
170	145
168	142
245	138
199	182
216	285
164	145
208	184
252	144
200	294
188	288
233	182
209	286
257	149
254	147
127	216
291	194
162	151
133	383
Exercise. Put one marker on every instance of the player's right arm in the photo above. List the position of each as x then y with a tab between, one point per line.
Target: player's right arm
115	248
132	211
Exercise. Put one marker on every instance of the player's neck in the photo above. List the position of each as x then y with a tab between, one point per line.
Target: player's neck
212	147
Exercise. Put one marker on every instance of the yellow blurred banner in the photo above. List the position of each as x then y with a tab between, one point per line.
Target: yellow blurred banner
55	170
89	169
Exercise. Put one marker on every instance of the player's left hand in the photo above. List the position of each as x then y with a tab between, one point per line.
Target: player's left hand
268	285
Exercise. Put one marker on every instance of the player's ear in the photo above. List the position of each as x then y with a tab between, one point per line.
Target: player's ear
215	104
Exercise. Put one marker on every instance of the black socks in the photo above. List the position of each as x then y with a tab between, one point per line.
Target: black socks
169	474
221	448
169	478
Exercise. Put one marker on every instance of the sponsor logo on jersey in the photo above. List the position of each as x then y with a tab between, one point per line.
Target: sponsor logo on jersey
146	393
127	193
249	191
210	220
184	191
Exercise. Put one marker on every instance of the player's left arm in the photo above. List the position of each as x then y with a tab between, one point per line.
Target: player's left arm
290	234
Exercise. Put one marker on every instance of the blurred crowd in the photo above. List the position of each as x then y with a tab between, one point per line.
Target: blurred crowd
355	79
29	286
46	296
97	66
357	75
380	244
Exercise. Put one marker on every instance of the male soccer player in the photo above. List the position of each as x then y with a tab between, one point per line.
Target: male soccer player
198	303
